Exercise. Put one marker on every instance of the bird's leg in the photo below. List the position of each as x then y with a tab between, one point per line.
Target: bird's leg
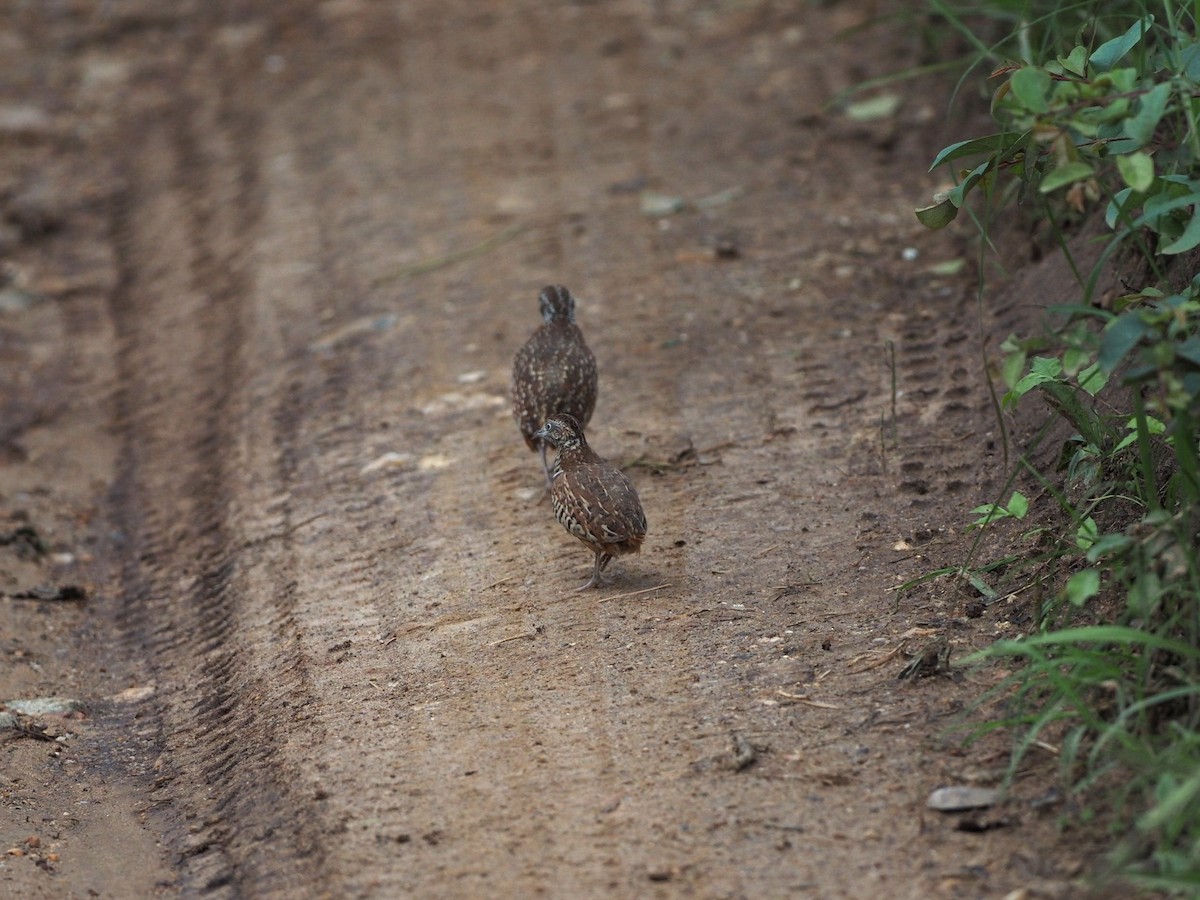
546	469
605	561
545	465
594	581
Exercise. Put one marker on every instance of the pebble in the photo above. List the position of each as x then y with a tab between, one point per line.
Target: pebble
46	706
959	797
16	300
24	120
133	694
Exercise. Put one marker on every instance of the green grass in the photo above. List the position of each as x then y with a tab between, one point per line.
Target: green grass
1096	107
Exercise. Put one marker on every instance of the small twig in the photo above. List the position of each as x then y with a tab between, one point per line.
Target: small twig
22	727
806	700
838	404
284	533
882	660
440	262
504	580
693	612
633	593
526	635
779	827
761	553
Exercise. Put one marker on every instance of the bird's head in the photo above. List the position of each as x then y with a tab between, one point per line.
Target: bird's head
557	304
563	432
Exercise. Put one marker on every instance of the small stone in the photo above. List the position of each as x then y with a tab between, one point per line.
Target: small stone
46	706
726	249
24	120
661	204
133	694
14	300
389	460
957	798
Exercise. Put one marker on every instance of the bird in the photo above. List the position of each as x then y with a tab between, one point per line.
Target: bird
592	498
554	372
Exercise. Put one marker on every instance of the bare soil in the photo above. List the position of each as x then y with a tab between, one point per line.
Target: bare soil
268	263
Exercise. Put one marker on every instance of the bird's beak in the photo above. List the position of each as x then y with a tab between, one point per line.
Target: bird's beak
541	433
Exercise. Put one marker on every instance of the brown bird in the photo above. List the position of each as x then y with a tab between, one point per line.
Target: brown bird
554	372
592	498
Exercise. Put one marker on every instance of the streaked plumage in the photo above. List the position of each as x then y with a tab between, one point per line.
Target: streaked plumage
554	372
592	498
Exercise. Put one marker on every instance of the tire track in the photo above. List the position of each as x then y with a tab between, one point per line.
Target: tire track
189	210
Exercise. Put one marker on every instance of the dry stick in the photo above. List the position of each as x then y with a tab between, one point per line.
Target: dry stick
694	612
514	637
881	661
633	593
440	262
804	698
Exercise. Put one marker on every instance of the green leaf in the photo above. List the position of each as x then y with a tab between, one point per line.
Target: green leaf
882	107
1018	508
958	193
1075	62
1118	205
1189	239
1044	368
1153	426
1082	586
1074	359
1145	593
1190	61
980	585
947	267
1030	86
1108	543
1189	350
939	215
1086	534
1109	53
1064	175
1092	379
1137	169
1162	203
1119	338
1014	366
1046	365
989	144
1140	127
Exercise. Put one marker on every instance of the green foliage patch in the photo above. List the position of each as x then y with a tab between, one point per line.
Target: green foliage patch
1097	105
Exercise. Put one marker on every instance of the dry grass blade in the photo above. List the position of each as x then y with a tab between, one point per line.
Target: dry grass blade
806	700
633	593
439	262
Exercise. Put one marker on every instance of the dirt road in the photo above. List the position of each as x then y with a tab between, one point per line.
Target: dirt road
258	406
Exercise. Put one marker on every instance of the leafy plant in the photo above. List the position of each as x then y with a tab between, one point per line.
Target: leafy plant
1098	107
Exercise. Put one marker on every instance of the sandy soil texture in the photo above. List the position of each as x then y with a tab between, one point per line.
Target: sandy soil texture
267	515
